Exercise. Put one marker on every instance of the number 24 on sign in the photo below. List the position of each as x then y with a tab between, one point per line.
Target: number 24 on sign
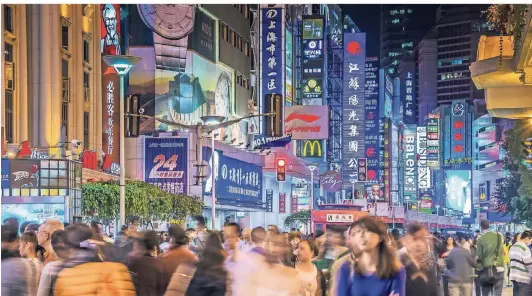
169	164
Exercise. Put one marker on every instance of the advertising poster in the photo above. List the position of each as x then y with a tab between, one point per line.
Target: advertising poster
331	181
353	130
201	40
410	163
423	171
294	203
6	170
307	122
288	74
271	58
236	181
110	45
165	164
312	63
372	120
333	17
387	157
458	129
433	141
458	191
24	173
282	202
269	200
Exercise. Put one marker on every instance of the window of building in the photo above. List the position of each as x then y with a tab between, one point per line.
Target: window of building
86	86
395	21
232	37
239	79
246	11
64	117
86	48
9	115
64	37
8	52
8	18
238	41
86	130
246	48
224	32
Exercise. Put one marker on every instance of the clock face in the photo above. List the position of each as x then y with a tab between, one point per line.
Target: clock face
171	21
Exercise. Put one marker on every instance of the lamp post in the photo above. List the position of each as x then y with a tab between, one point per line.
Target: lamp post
312	168
122	64
211	121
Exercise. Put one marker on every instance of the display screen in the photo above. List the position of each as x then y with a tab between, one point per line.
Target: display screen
33	212
458	195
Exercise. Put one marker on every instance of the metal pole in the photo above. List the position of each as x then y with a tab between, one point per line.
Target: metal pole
311	200
213	195
122	160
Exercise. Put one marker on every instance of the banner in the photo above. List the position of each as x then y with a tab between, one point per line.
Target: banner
371	136
288	74
307	122
201	40
269	200
353	107
458	194
410	164
423	172
408	92
166	164
6	167
271	49
294	201
433	141
24	173
282	202
458	129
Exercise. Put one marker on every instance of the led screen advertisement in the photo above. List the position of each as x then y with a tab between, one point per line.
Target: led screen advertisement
372	121
433	141
333	17
307	122
485	147
110	44
288	73
312	63
271	49
458	129
458	191
410	163
354	70
165	164
313	27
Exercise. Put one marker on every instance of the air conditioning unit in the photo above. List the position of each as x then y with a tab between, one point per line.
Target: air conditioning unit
65	90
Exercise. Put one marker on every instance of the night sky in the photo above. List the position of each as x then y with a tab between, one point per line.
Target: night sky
367	18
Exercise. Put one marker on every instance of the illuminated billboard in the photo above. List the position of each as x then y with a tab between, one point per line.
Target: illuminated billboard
288	74
371	107
312	27
423	171
410	163
354	69
458	129
433	141
312	149
458	191
312	62
307	122
110	45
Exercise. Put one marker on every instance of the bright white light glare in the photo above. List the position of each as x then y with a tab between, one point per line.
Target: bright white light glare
122	69
281	162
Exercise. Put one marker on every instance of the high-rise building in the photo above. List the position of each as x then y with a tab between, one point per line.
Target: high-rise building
402	27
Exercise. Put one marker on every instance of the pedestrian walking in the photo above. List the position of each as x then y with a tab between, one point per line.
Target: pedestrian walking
177	254
308	275
50	271
17	276
460	270
30	249
44	238
490	265
199	237
377	270
521	265
147	272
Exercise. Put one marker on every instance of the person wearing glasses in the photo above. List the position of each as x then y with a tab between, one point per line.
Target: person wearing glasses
44	237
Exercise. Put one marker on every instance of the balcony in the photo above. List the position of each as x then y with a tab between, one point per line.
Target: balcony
507	83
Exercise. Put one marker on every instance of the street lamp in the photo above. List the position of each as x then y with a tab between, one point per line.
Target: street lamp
122	64
212	121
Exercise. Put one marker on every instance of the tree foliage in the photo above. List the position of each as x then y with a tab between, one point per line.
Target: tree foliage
515	191
509	19
300	217
147	202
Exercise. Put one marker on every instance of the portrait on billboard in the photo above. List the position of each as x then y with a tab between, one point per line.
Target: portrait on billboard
110	42
458	190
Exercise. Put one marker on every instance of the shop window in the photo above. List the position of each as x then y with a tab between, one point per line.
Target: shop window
8	94
8	52
8	18
86	50
86	129
86	86
64	37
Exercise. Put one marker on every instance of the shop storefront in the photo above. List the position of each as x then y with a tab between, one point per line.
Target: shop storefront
40	189
324	218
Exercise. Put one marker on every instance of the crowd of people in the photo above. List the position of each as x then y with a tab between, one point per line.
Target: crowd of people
364	259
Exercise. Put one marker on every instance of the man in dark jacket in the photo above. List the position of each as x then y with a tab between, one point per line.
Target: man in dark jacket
415	256
146	270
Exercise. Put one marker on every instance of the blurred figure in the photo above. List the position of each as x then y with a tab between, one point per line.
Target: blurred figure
377	271
163	242
44	236
177	254
84	273
294	238
396	236
32	227
124	244
50	271
416	258
237	261
199	237
273	230
450	243
460	266
22	227
246	240
17	279
349	257
308	275
147	272
105	247
286	236
208	277
30	249
490	253
507	245
463	241
521	265
97	229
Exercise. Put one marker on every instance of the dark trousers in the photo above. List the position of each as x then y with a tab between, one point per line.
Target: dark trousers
495	289
521	289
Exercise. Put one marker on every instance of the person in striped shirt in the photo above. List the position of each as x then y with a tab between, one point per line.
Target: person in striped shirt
521	265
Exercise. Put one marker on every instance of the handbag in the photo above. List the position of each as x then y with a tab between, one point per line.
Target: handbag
488	275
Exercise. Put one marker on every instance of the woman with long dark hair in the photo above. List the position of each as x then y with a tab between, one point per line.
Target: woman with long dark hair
208	277
308	275
450	243
376	271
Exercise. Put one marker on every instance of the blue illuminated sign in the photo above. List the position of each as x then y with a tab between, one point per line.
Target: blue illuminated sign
165	163
272	51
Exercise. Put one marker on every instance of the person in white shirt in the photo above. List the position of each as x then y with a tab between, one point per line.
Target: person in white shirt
521	265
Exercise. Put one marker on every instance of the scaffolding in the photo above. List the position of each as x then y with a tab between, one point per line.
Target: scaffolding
334	100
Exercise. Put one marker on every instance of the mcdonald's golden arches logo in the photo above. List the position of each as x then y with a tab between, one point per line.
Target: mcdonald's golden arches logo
312	146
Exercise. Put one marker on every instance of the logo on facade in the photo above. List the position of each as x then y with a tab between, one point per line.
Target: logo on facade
315	148
458	109
354	48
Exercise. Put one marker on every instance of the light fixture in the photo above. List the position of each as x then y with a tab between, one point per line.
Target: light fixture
212	119
121	63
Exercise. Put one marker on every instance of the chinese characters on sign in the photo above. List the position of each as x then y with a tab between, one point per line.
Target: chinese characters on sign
458	130
312	61
354	115
166	164
269	200
288	73
272	54
408	91
282	202
433	141
294	201
371	137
